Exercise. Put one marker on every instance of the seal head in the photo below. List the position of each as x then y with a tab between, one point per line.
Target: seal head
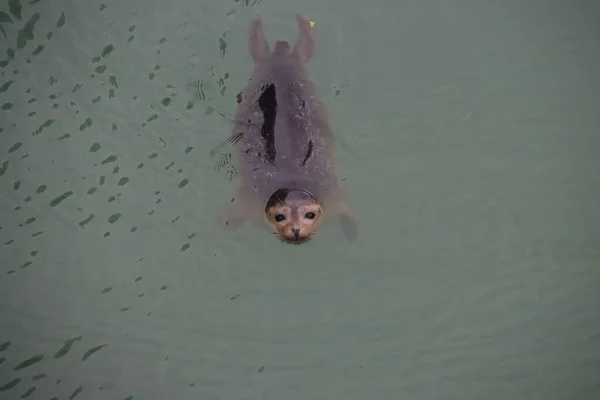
294	214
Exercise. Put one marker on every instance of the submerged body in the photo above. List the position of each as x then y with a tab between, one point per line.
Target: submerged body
286	134
284	145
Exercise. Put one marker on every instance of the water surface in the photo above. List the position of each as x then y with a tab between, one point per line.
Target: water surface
467	136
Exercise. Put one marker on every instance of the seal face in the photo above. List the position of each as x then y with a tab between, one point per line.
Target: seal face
284	144
294	214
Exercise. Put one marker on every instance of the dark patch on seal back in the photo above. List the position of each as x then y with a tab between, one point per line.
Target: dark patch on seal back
308	153
267	102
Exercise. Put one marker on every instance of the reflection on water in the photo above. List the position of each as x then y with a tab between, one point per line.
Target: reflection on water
81	126
466	135
28	380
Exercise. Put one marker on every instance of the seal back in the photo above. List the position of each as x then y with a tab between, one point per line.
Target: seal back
284	138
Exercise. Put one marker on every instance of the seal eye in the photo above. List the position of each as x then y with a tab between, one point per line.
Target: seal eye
309	215
279	217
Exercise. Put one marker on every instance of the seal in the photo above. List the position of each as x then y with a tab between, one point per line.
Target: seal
284	146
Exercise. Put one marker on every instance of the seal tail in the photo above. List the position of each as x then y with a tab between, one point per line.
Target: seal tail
305	46
259	48
281	47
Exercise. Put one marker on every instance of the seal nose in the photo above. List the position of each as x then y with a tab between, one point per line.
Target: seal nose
296	232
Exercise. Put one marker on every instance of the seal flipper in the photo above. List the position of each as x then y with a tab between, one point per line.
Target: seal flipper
347	220
305	46
259	48
242	208
349	226
230	217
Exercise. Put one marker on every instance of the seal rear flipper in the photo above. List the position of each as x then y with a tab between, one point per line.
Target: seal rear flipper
281	47
259	48
305	46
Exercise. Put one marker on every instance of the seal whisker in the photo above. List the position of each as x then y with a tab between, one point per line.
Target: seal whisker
267	102
284	239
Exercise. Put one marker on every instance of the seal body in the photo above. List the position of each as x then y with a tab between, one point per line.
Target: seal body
286	136
281	134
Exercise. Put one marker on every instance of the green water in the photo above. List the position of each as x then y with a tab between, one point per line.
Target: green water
467	132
